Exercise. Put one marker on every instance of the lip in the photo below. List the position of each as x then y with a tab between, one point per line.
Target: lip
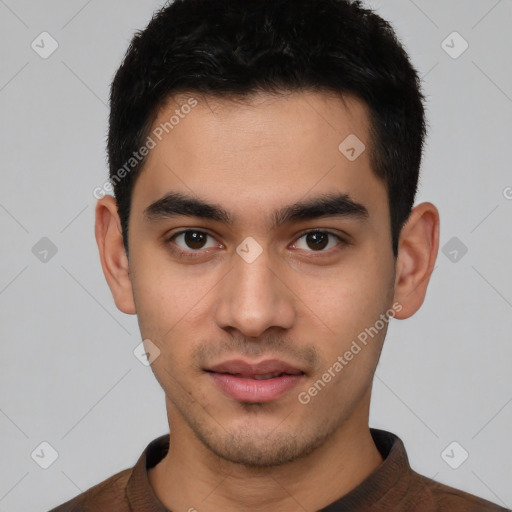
236	378
245	369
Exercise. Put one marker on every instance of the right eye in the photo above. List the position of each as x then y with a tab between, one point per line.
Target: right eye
188	242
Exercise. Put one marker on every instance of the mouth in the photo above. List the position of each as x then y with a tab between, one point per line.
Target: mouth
255	383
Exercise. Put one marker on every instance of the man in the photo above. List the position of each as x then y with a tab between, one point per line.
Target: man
264	156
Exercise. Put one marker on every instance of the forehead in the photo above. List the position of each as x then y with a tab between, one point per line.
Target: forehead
261	151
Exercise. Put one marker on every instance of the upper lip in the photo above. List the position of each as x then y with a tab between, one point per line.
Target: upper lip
246	369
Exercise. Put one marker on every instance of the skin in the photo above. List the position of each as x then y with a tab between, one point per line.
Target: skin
294	302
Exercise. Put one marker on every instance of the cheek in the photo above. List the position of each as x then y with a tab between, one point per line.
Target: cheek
351	348
350	297
174	309
171	300
351	305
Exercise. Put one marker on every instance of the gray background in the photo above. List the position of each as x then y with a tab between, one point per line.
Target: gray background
68	373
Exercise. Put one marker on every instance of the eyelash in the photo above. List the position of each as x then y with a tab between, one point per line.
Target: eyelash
198	253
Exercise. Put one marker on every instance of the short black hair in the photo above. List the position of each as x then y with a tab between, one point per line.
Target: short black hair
233	48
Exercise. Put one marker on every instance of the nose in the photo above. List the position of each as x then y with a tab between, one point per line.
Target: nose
255	297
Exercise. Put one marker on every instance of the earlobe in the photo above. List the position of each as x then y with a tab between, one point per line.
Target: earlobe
417	252
112	254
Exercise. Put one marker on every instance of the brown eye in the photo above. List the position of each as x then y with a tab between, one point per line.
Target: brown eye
194	239
317	240
191	240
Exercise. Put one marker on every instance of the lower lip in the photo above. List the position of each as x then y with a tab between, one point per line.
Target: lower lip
252	390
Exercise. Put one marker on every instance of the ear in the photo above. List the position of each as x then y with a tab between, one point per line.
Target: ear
417	252
112	254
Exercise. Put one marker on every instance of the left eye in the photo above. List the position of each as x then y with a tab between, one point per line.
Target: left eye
318	239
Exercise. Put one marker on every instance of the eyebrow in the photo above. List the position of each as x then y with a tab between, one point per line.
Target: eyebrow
178	204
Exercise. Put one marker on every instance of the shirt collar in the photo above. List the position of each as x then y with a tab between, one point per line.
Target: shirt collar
389	482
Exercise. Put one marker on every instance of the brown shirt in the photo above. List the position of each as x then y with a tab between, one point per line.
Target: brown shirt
393	486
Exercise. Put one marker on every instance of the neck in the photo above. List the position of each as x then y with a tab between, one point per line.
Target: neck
192	478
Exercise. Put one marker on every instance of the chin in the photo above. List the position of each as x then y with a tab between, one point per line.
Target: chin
259	450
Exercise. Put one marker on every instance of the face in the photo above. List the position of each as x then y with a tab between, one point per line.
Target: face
256	307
